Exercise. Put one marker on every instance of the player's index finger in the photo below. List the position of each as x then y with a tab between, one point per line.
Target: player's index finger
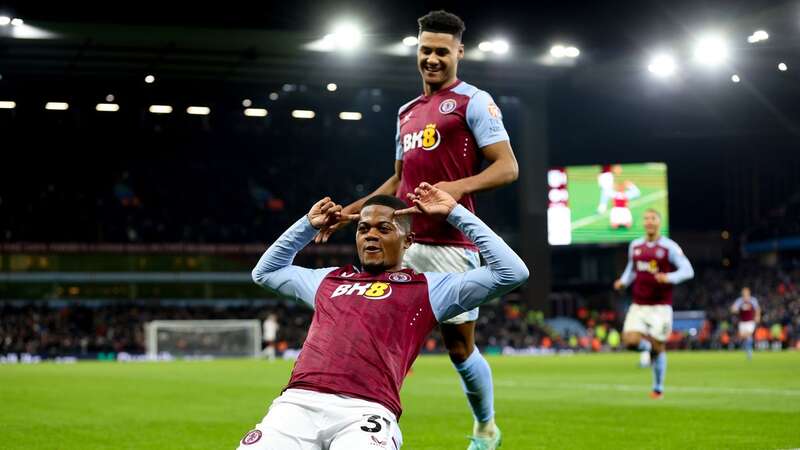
406	211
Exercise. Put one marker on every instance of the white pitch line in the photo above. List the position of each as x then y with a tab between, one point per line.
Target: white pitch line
580	223
638	388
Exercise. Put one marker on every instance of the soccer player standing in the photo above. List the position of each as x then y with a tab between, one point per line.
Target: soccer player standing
655	264
442	138
749	312
369	323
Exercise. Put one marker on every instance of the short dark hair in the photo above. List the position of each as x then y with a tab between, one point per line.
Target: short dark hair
442	21
394	203
651	210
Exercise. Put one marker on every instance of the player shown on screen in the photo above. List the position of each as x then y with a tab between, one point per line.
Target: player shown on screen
605	181
748	311
621	216
370	321
655	263
442	137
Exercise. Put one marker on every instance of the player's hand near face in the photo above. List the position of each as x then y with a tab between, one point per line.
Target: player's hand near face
345	216
325	213
429	200
662	278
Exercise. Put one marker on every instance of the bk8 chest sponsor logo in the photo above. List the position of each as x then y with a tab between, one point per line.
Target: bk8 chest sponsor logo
372	291
647	266
426	139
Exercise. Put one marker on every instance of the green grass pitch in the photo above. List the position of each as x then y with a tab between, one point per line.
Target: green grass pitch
589	227
713	400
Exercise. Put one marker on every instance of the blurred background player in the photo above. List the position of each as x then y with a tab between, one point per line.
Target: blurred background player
269	335
606	183
621	215
344	391
749	315
655	263
442	137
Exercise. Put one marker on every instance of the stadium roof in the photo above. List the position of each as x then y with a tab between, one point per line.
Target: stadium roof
265	41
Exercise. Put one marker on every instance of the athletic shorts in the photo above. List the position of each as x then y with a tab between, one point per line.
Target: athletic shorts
651	320
444	259
620	217
747	328
307	420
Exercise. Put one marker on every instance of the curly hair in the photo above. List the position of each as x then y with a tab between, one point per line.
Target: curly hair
442	22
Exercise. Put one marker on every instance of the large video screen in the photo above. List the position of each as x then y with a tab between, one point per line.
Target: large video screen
604	203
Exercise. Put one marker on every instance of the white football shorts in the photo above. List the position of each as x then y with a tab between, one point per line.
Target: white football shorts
747	328
620	217
444	259
307	420
651	320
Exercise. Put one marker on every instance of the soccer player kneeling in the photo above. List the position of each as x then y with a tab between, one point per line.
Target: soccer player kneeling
370	322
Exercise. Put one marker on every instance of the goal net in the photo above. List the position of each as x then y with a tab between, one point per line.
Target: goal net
203	338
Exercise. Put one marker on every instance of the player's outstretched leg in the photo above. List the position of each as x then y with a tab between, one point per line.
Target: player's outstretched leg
476	380
636	341
659	369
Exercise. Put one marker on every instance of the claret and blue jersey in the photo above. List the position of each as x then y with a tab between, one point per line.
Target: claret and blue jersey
645	260
439	138
368	328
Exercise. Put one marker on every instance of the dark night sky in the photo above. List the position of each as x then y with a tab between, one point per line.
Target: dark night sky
607	108
605	25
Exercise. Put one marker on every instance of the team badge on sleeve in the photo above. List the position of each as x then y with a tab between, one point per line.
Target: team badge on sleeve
251	437
494	111
447	106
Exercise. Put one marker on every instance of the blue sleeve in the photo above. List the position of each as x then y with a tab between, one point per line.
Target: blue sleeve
275	272
451	294
632	192
398	145
737	304
485	120
684	270
628	275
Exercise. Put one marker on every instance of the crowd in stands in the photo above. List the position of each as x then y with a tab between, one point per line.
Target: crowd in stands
780	222
86	330
713	292
80	329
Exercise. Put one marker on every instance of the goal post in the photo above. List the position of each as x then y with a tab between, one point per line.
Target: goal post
203	338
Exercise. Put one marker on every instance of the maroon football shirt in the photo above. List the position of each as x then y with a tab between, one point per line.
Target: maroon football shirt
366	332
439	138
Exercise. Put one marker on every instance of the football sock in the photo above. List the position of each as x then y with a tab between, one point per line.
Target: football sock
748	346
659	371
476	380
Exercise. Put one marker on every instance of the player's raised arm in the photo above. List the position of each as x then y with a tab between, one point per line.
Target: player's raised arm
274	270
454	293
